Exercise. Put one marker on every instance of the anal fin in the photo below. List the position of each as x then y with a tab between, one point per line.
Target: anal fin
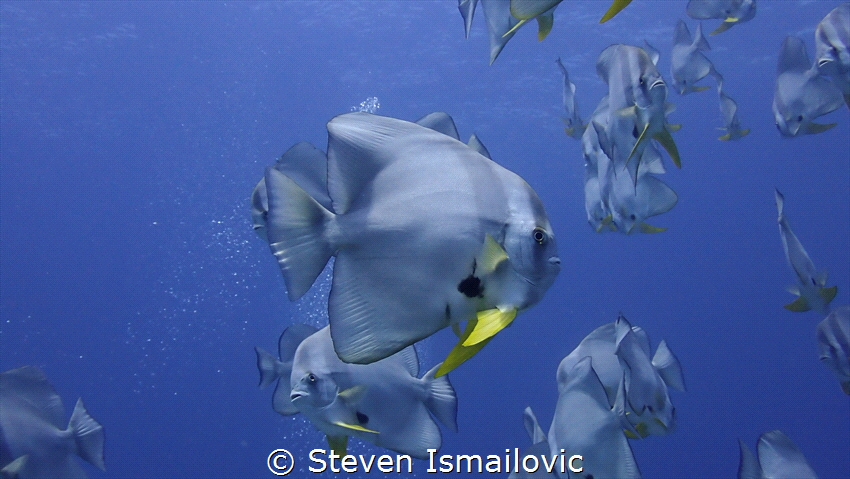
799	305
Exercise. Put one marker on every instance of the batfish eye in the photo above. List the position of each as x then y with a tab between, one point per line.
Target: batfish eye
311	377
633	217
800	118
539	235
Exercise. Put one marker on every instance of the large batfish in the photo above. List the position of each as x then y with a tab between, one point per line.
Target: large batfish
811	284
427	233
383	403
802	94
732	12
778	458
834	344
33	434
832	48
585	424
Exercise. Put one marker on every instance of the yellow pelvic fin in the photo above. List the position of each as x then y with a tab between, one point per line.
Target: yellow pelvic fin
744	132
615	8
338	444
667	142
674	127
798	306
516	27
828	294
642	430
544	25
630	434
725	137
640	140
649	229
354	427
492	254
460	353
726	25
815	128
700	88
489	323
353	393
569	131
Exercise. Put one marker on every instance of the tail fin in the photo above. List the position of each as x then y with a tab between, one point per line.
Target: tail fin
88	435
268	366
668	367
296	225
441	400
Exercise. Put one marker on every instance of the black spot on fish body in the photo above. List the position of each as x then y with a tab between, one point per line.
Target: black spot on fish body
471	287
362	418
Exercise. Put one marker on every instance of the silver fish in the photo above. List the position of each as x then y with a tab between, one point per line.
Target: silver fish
585	424
525	10
688	63
729	110
383	403
732	12
426	231
778	458
575	127
832	48
811	284
833	335
539	448
802	94
32	429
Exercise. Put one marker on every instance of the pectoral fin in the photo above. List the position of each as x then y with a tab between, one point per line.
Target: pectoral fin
353	393
489	323
798	306
815	128
726	25
492	254
516	27
544	25
649	229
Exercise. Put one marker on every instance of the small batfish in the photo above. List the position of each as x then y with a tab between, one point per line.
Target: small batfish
427	232
32	429
587	425
575	128
383	403
729	110
832	48
539	449
732	12
688	64
811	284
802	94
778	458
834	344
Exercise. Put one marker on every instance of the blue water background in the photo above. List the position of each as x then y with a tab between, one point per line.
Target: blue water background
132	135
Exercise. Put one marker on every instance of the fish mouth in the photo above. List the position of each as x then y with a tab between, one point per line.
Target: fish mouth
823	62
656	83
296	395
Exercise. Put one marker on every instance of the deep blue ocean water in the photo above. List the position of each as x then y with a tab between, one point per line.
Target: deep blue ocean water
132	135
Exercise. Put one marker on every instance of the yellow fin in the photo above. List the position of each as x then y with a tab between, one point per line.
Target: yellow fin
667	142
649	229
725	137
615	8
492	254
516	27
338	444
489	323
630	434
353	393
544	25
354	427
798	306
674	127
700	88
569	131
726	25
828	294
460	353
640	140
642	430
745	132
